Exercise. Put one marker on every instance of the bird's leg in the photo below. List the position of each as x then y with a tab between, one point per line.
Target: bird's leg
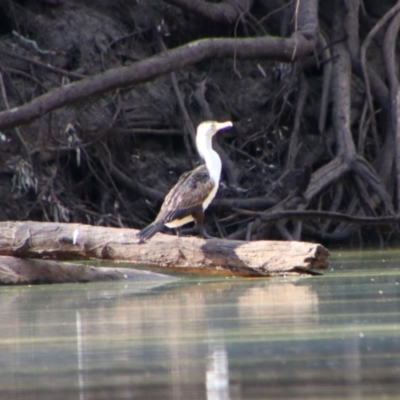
178	231
198	216
203	232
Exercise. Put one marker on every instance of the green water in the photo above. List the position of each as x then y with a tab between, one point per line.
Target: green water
329	337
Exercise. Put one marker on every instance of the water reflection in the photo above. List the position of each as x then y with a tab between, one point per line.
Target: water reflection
79	342
114	341
289	304
223	339
217	374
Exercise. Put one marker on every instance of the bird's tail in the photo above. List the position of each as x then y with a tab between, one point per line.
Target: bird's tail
149	231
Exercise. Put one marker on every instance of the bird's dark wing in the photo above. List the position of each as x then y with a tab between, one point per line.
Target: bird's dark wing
188	194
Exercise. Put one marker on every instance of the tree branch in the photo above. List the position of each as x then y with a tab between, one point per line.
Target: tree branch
363	61
324	176
308	214
326	85
271	48
307	19
341	83
389	54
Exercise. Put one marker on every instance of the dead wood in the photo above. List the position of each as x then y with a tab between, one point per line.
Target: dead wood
363	51
189	254
331	215
326	57
28	271
264	47
389	53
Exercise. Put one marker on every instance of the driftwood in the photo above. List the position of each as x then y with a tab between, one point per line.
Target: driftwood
186	254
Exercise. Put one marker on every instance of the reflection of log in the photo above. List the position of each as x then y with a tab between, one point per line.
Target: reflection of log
17	271
190	254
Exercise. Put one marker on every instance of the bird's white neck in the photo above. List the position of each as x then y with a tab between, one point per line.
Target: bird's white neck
210	156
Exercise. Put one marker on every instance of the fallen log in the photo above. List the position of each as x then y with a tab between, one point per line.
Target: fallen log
28	271
60	241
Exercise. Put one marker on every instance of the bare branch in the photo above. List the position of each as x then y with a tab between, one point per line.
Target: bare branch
48	67
364	48
17	131
309	214
307	22
326	56
389	54
325	176
295	136
265	47
341	83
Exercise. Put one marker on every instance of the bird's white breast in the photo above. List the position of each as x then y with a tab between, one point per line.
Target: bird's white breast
210	197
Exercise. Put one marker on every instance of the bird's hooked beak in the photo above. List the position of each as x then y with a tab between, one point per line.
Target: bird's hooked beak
210	128
223	125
